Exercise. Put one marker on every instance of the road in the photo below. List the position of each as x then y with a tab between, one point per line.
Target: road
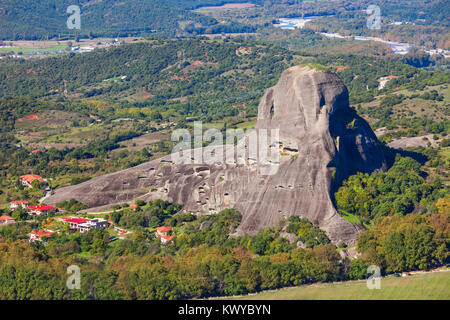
47	194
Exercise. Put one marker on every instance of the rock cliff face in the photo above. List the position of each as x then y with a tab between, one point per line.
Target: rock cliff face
321	142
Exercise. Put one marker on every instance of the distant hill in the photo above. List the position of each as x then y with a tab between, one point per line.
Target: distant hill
30	19
210	76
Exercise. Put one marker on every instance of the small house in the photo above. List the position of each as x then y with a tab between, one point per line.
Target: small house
166	239
28	179
84	225
93	224
74	223
16	204
41	209
163	234
163	231
4	220
38	235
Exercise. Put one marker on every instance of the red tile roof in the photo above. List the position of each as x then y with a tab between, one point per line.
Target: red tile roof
19	202
6	218
41	233
164	229
31	177
76	220
41	208
168	238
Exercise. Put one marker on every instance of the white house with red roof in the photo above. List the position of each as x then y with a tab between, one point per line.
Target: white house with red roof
4	220
93	224
16	204
163	234
28	179
74	222
38	235
41	209
84	224
165	239
163	231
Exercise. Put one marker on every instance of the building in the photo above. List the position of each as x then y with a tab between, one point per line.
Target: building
15	204
40	209
163	234
163	231
94	224
165	239
86	49
84	225
4	220
28	179
74	222
384	80
38	235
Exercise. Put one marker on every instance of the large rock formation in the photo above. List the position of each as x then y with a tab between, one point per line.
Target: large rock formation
321	142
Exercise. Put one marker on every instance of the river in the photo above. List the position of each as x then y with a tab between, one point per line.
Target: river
396	47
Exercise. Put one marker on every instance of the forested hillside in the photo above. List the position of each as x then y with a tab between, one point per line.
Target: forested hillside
33	20
204	261
196	77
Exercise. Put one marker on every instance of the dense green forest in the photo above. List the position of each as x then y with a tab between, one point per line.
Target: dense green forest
207	262
399	191
36	20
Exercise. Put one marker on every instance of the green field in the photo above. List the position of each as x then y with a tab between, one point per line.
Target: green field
435	285
26	49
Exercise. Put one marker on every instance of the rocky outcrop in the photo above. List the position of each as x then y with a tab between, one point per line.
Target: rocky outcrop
321	142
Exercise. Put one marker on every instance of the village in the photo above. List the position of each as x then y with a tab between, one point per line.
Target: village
42	49
81	223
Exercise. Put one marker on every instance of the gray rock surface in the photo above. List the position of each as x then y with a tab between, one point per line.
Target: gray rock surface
321	142
205	224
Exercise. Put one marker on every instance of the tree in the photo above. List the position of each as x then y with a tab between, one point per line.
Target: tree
260	243
20	214
358	269
140	203
395	252
443	205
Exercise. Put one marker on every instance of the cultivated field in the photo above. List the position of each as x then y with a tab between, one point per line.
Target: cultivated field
228	6
418	286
